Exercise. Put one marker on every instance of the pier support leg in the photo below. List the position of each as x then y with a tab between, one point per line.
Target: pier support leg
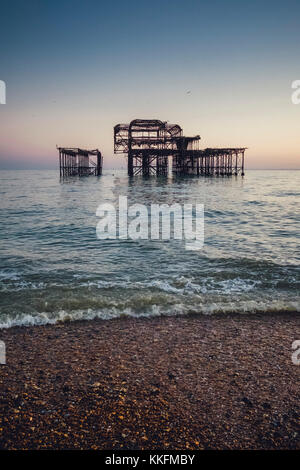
243	174
130	164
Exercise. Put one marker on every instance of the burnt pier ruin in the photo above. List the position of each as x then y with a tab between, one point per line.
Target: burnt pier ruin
79	162
151	143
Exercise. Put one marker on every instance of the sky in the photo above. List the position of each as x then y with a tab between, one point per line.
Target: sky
222	69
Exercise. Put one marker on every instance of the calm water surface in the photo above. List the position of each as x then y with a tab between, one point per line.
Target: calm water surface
53	267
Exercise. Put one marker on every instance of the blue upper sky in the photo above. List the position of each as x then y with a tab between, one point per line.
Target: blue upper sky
74	68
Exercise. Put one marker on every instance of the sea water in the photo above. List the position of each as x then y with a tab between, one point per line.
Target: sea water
54	268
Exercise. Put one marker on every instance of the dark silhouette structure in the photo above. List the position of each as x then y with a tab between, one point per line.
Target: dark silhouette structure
150	142
79	162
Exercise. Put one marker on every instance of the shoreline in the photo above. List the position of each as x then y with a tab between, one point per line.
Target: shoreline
222	381
124	316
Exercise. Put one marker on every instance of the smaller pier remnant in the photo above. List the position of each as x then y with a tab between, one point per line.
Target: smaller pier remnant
79	162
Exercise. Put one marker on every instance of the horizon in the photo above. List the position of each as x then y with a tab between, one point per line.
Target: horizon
224	71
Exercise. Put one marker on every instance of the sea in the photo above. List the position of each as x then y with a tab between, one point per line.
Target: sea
54	268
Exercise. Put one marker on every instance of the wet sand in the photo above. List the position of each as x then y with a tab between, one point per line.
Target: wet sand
205	382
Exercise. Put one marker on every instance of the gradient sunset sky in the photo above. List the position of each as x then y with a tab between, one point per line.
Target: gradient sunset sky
222	69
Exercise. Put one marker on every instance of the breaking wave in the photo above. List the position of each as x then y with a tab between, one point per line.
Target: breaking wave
243	307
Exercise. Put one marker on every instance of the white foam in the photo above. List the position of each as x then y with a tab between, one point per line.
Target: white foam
249	306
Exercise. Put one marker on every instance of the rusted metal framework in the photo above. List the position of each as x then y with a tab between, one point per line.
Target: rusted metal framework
210	162
150	142
79	162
